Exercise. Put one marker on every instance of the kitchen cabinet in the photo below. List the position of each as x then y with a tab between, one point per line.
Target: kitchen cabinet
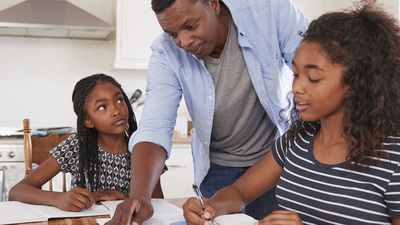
178	180
137	27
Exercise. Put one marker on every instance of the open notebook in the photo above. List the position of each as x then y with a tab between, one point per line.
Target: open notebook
17	212
165	213
235	219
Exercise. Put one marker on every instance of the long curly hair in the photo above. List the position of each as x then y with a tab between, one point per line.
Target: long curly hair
364	40
87	137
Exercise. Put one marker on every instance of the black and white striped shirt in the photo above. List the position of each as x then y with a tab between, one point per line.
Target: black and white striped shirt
333	194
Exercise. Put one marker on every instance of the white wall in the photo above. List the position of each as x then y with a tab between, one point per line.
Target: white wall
314	8
37	75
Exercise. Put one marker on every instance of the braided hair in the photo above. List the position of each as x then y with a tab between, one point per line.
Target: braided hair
87	137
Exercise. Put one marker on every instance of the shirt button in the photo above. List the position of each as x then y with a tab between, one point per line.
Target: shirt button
205	143
211	98
207	72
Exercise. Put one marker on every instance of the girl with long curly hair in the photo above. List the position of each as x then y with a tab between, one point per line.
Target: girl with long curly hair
98	152
339	163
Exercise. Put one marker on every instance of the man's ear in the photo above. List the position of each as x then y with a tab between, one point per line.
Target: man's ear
216	6
88	123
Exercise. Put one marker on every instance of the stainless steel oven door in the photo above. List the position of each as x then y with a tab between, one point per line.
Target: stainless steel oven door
13	172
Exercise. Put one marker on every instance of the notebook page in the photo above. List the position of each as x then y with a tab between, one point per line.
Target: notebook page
17	212
235	219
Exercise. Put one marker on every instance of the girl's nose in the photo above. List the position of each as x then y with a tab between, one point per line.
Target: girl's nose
116	112
297	86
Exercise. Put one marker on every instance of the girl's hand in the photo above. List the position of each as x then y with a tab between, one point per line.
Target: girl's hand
281	217
108	195
195	215
75	200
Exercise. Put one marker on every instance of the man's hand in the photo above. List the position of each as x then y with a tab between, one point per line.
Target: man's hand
138	206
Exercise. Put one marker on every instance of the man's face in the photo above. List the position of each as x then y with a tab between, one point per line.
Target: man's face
192	26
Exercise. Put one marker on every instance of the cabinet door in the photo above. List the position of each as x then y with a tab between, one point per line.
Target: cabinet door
178	180
137	27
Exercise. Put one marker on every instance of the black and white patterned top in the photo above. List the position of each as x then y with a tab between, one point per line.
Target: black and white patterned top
115	172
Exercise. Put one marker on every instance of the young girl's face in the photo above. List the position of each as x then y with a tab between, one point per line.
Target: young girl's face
318	89
106	109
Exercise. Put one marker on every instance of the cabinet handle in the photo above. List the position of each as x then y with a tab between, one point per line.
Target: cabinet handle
176	166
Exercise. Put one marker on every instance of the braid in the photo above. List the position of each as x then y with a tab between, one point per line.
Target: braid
87	137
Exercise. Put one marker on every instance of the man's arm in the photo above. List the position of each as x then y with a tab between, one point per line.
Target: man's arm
148	161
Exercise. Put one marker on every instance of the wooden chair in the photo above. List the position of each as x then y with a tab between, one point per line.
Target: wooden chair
37	150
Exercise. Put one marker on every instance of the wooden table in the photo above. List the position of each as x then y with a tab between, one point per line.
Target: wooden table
91	220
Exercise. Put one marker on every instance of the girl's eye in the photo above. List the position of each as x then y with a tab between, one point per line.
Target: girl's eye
295	75
120	100
313	81
102	108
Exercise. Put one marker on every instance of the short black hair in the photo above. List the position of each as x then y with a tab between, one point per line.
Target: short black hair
159	6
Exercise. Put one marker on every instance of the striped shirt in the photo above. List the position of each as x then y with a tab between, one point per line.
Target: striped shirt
334	194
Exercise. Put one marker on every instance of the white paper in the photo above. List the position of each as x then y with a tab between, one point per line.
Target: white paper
54	212
164	212
18	212
235	219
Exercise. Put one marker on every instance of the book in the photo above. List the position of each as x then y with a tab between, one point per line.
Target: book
17	212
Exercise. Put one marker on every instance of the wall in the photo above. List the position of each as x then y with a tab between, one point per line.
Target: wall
314	8
37	75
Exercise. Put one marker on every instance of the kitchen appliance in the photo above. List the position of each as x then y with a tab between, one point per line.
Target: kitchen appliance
52	19
134	99
12	159
137	101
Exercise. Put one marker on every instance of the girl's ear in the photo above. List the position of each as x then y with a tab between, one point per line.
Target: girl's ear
348	92
88	123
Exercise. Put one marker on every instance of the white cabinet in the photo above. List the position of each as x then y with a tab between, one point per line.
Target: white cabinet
178	180
137	27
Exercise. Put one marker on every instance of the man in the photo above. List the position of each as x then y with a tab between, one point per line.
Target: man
230	60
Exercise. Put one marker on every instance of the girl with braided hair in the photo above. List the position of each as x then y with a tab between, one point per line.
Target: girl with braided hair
97	153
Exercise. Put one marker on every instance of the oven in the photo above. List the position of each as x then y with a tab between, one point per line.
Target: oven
12	158
12	163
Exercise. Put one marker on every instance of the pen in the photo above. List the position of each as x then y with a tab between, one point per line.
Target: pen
87	180
200	198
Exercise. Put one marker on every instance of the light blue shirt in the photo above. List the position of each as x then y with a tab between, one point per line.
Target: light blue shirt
268	34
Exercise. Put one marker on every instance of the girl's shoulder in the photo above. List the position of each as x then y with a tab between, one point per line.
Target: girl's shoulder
68	145
392	142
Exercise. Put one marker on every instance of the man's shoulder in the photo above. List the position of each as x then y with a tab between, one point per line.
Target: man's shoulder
234	4
163	41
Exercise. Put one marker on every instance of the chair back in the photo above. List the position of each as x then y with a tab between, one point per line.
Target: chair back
37	150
